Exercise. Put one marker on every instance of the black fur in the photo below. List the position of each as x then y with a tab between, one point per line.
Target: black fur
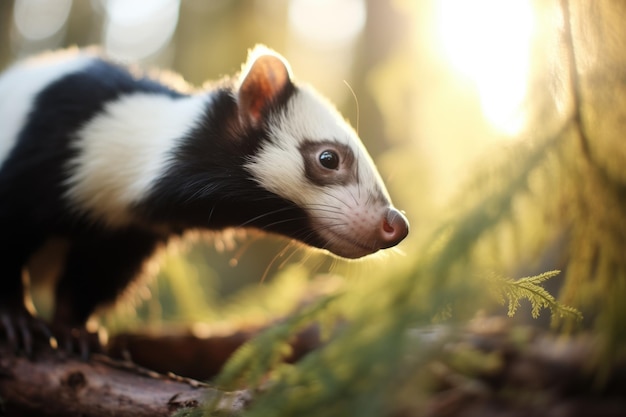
205	187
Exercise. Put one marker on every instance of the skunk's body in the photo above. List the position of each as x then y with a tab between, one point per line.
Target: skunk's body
113	164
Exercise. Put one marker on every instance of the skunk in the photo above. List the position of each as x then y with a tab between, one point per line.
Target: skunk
114	163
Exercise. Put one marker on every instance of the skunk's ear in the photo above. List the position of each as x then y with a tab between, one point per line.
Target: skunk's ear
265	77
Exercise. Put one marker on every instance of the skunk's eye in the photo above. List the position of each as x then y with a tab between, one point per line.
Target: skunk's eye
329	159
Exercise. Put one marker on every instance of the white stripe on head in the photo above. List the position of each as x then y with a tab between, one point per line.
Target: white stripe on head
337	211
20	84
307	117
123	150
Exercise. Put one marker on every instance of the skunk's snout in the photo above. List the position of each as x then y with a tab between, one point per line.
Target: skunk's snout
394	228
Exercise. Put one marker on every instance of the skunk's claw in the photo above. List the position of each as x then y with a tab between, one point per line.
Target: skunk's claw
77	340
23	331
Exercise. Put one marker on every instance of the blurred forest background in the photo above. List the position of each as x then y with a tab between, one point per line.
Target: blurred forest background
498	128
425	110
419	110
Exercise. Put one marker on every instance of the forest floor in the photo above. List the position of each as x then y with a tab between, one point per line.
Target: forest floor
520	371
491	369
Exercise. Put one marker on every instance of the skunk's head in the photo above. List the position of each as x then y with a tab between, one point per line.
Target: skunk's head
314	159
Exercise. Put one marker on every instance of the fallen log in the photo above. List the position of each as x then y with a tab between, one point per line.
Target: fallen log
55	384
193	355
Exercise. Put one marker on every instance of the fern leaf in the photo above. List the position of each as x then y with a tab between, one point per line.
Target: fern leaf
511	291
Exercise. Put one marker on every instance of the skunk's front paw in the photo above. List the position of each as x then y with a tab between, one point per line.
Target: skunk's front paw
77	340
23	331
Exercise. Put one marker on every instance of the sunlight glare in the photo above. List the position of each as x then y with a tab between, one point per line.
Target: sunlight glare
327	22
40	19
488	42
136	29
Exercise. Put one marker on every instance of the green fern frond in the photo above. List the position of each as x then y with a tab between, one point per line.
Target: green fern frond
507	290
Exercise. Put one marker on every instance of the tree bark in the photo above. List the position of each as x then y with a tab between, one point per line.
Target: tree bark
53	384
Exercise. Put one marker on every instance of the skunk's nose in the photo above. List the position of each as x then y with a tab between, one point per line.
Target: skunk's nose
394	229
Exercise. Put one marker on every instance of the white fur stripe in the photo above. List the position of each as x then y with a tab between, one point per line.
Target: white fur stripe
348	217
20	84
279	166
125	149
